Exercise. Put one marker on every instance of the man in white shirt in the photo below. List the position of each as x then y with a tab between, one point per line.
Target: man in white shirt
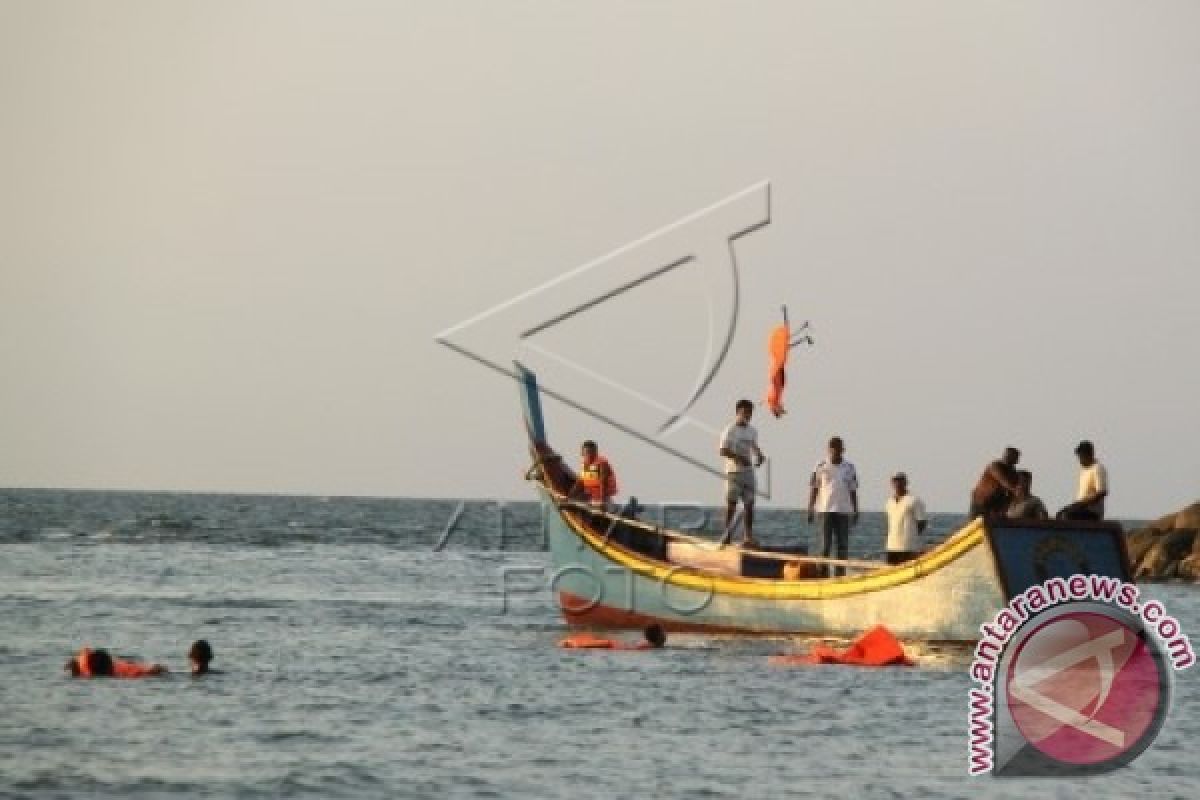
833	496
1093	486
906	522
739	441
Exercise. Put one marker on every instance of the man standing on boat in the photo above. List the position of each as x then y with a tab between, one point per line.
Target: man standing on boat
1093	486
997	486
906	522
833	497
739	441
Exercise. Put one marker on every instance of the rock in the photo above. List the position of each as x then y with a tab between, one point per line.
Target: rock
1168	547
1161	560
1189	568
1138	542
1188	518
1189	565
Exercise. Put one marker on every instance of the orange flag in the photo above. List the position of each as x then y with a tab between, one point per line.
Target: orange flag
777	347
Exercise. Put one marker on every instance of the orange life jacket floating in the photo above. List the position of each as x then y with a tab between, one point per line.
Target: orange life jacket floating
875	648
598	488
589	641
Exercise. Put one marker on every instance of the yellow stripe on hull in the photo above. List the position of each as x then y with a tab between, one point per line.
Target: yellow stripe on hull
889	577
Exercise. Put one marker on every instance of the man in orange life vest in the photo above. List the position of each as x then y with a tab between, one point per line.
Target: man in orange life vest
89	663
596	476
654	638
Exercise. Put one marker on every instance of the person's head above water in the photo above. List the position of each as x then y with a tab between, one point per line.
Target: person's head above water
1011	456
89	663
200	654
655	635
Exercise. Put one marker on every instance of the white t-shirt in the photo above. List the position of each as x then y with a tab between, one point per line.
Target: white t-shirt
740	439
834	483
903	516
1093	479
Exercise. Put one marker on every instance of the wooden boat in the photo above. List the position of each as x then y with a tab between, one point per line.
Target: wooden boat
615	571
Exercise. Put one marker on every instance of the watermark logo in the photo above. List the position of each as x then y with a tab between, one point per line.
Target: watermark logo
1075	678
1087	687
628	395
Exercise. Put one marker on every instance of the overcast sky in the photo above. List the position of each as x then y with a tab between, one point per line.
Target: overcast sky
230	231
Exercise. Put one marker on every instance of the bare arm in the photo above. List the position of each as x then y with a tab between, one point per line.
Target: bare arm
999	477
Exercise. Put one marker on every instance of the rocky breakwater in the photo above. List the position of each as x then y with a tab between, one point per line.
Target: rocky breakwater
1168	548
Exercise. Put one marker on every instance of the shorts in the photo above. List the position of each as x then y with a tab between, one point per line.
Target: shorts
740	486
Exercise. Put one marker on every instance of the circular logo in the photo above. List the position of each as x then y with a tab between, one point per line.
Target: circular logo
1087	686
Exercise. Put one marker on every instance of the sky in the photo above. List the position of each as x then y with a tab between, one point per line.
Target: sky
231	233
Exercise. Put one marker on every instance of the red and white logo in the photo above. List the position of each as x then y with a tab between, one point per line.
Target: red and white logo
1085	688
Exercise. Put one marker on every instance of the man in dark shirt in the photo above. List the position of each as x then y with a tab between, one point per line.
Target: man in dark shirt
1026	504
997	486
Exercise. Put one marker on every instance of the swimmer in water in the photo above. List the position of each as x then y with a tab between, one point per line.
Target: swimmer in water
200	655
99	663
654	638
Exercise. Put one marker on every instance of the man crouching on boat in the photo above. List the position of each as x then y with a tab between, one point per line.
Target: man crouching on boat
597	481
738	442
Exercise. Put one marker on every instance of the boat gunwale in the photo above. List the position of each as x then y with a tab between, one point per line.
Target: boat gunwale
888	576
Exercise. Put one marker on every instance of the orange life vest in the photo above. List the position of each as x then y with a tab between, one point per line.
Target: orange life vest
598	489
135	669
83	661
121	667
588	641
878	647
777	347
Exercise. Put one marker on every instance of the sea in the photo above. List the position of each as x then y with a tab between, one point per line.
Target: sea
407	648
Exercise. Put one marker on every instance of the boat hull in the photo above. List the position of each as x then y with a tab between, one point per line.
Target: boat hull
601	584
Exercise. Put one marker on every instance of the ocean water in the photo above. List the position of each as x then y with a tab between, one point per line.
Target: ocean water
366	653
